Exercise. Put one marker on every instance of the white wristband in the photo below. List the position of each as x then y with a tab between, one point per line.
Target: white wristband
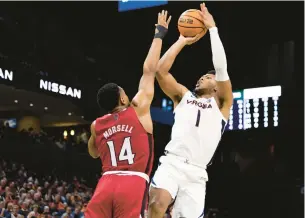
213	30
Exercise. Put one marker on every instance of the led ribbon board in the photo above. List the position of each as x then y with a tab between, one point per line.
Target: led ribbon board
129	5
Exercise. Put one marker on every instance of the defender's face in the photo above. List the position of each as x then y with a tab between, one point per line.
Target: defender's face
123	97
206	82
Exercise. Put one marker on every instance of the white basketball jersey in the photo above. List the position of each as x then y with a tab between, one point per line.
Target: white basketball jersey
197	129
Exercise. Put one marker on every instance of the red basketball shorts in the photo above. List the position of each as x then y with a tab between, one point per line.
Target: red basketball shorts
119	196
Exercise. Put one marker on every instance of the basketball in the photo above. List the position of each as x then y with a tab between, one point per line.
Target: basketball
190	23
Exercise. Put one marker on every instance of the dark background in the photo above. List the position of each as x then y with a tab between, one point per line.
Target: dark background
88	44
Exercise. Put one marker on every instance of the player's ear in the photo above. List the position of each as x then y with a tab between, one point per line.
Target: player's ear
122	100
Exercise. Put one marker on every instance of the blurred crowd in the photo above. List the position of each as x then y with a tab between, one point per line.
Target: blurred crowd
23	194
60	137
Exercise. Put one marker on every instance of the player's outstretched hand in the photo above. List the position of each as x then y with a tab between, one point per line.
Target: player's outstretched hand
162	25
191	40
163	20
207	18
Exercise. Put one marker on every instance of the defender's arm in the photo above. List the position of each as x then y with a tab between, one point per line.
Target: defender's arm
145	94
144	97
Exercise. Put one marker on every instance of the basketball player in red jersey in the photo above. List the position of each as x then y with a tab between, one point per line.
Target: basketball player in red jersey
124	142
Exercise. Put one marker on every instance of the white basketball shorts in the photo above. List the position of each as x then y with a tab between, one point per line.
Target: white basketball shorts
186	184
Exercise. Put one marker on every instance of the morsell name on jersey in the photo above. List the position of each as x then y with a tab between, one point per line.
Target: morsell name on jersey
6	75
199	104
118	128
61	89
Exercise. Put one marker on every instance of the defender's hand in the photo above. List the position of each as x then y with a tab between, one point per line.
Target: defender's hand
207	18
162	26
163	20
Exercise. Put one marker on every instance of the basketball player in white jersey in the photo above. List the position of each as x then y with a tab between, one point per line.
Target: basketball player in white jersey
200	118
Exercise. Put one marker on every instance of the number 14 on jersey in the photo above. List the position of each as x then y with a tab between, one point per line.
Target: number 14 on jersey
125	152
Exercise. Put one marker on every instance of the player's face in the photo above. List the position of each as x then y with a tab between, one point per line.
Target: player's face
123	97
206	82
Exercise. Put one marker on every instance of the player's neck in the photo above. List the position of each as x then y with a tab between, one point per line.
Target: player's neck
204	96
204	93
119	108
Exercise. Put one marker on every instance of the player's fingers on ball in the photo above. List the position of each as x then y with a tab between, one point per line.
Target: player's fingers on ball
201	14
197	37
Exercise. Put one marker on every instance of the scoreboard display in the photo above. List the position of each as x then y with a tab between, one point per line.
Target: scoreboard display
252	108
129	5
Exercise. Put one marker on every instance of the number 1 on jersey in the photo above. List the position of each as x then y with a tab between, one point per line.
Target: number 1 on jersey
125	153
198	119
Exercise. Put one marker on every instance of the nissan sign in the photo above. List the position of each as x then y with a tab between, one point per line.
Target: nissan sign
6	75
61	89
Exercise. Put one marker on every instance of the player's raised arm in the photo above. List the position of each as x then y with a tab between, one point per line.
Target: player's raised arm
144	97
167	82
91	143
224	86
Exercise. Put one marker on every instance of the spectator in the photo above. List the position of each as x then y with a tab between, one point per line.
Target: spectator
24	209
14	213
46	211
59	204
84	136
34	213
2	208
77	212
68	213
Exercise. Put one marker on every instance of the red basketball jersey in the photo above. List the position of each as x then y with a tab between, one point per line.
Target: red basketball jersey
123	143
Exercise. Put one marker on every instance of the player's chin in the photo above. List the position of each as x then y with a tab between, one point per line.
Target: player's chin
196	91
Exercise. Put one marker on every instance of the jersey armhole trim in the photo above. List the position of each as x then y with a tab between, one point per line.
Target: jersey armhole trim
183	97
222	117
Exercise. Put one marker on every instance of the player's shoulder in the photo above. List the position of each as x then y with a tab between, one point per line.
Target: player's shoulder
188	95
102	120
104	117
